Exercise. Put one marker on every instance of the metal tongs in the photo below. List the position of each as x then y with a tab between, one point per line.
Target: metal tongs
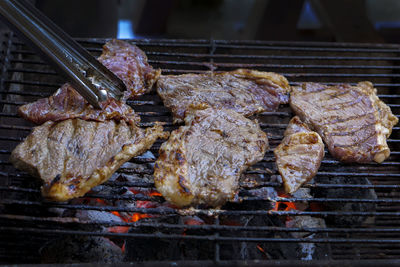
88	76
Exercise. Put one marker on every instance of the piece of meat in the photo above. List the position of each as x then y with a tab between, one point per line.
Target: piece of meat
245	91
67	103
299	156
130	64
127	61
202	161
353	122
74	155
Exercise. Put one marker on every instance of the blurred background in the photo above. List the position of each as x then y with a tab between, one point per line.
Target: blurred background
373	21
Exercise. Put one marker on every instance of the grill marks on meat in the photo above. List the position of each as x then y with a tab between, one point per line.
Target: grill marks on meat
202	161
67	103
299	156
246	91
352	120
78	147
127	61
74	155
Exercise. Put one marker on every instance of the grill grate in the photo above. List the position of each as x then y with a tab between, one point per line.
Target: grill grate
24	77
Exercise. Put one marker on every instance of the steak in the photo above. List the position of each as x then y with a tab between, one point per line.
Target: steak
353	122
299	156
244	91
74	155
202	161
127	61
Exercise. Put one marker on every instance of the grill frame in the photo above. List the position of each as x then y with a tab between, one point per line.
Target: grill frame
216	55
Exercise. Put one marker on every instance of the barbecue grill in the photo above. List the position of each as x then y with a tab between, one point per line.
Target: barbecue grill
251	228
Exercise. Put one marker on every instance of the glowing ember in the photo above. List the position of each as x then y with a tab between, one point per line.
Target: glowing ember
189	220
194	221
116	213
131	217
134	190
155	193
98	200
284	206
118	229
128	219
123	247
262	251
138	216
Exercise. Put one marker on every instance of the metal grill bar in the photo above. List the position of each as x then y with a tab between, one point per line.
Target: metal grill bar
194	237
264	57
167	226
231	65
242	47
277	199
171	211
321	173
243	184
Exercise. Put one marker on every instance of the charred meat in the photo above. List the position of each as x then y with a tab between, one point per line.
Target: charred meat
353	122
202	161
299	156
74	155
127	61
244	91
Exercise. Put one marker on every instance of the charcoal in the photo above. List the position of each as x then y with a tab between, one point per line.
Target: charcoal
264	194
81	249
309	251
262	250
174	249
141	249
351	193
302	193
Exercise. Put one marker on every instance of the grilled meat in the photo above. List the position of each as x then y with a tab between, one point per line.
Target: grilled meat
74	155
127	61
299	155
202	161
245	91
352	120
67	103
79	147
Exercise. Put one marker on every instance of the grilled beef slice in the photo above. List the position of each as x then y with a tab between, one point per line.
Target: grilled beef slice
299	155
67	103
127	61
245	91
353	122
74	155
202	161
